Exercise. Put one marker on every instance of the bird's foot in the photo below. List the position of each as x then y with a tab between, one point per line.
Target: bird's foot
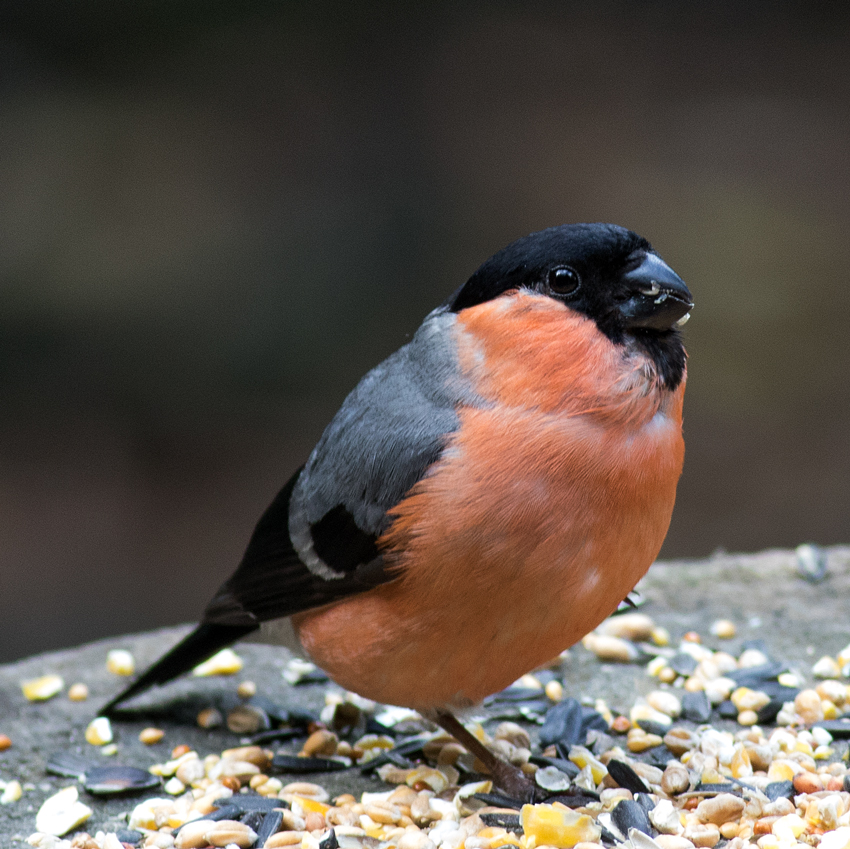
512	781
508	778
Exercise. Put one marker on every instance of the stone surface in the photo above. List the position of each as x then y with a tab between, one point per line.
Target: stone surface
798	621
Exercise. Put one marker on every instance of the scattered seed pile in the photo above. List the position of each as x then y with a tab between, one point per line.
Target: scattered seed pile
727	751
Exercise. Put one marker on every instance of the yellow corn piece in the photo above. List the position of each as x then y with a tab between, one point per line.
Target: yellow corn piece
309	805
557	826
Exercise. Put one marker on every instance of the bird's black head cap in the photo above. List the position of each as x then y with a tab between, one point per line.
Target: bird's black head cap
605	272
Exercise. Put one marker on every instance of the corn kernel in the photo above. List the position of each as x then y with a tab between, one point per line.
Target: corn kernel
558	826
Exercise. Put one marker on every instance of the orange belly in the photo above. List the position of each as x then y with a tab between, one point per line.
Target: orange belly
533	526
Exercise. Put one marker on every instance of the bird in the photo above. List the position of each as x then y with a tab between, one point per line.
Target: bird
485	496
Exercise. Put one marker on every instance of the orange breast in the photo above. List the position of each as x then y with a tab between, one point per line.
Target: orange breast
544	511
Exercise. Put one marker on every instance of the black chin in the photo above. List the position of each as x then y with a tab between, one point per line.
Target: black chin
667	353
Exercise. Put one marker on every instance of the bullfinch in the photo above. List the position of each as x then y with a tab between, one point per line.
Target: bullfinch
486	496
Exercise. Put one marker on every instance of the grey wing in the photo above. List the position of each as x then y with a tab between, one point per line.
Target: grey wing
316	543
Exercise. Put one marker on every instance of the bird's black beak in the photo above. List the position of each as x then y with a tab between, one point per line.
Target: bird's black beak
660	299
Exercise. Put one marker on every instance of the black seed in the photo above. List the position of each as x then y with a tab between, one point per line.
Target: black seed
645	801
390	757
779	790
653	727
719	787
510	822
682	663
626	777
374	727
499	800
512	712
276	735
301	717
607	838
579	798
397	755
246	802
727	710
770	711
300	766
777	691
696	707
253	819
270	825
563	750
563	724
755	676
329	841
225	812
315	676
116	780
592	720
516	694
128	835
629	814
658	756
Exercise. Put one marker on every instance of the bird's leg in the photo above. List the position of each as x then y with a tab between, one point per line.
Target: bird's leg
507	777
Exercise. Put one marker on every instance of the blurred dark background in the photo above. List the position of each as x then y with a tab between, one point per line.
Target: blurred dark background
216	216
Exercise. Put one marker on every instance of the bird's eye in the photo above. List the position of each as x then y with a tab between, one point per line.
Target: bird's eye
563	280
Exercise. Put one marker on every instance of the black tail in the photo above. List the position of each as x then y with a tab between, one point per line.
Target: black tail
195	648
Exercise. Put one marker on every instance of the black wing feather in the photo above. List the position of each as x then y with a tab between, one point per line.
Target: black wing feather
193	649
